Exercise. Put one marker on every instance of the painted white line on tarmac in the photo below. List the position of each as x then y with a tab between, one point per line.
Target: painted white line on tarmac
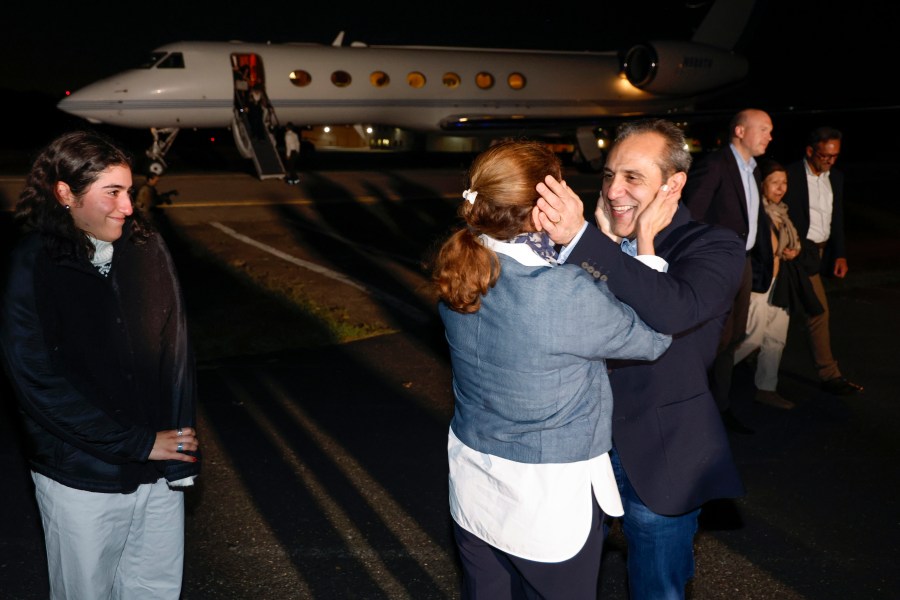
430	555
408	310
355	539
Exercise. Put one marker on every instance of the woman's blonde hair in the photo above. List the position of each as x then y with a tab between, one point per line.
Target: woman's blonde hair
504	178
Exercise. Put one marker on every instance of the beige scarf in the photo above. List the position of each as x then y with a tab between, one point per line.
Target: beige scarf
787	233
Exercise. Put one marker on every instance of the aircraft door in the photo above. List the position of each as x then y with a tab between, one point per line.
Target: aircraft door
250	97
248	73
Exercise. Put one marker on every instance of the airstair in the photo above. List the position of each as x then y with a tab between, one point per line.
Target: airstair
263	150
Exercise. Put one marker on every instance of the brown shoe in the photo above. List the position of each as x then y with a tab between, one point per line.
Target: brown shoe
773	399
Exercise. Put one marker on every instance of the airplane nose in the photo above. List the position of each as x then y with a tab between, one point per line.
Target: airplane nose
75	104
65	103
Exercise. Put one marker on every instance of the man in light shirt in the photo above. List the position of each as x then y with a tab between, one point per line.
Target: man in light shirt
723	189
815	200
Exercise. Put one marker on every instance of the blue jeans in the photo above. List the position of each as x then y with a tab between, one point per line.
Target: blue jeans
660	552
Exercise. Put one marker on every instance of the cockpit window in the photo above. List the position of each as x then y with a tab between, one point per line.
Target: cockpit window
173	61
151	60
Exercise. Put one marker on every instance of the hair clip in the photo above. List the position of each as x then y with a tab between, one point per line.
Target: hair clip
470	196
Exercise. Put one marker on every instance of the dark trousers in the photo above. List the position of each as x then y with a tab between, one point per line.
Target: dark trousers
491	574
734	331
292	161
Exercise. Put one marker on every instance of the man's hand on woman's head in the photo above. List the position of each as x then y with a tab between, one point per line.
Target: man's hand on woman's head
559	211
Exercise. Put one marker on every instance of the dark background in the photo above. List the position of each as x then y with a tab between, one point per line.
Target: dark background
804	53
811	62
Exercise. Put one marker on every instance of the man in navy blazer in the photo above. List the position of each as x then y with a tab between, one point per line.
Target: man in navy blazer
724	189
670	450
815	200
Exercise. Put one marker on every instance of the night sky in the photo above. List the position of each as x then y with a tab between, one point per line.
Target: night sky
803	52
812	62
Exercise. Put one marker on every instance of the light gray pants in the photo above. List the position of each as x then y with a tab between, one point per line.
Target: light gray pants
117	546
767	330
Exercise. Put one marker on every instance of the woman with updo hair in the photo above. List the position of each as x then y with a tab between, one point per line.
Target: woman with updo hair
530	477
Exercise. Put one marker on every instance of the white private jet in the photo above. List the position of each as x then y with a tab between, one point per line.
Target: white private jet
251	88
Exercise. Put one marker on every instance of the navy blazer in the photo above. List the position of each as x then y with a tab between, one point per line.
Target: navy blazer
797	200
714	193
666	426
99	364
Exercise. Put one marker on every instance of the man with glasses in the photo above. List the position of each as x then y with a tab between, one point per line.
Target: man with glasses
815	200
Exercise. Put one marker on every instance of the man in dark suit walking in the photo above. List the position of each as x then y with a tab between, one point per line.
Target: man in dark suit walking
670	449
815	199
723	189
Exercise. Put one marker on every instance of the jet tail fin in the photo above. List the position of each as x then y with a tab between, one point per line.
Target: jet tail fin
724	23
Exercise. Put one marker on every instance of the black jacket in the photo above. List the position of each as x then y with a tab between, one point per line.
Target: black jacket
714	193
99	364
797	199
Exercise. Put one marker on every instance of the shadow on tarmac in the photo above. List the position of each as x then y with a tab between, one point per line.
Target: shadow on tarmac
325	468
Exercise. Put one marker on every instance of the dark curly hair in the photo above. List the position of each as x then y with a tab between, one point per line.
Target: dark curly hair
76	158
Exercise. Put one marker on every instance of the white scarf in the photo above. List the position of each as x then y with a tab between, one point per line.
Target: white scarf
103	253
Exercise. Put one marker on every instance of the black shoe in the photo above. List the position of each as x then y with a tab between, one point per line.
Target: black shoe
841	386
733	424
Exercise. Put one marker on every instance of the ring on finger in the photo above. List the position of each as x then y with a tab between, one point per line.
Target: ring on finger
180	432
180	446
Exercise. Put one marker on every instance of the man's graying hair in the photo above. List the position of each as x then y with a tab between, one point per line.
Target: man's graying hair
675	158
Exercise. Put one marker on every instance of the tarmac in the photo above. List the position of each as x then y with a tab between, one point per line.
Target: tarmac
325	468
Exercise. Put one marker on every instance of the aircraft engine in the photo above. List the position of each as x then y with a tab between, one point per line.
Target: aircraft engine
681	68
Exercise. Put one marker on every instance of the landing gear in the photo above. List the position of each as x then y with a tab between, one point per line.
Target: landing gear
162	142
156	167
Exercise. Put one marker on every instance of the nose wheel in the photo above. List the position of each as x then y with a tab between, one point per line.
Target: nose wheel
162	141
156	167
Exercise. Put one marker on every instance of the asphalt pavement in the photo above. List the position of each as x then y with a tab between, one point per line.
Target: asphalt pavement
325	469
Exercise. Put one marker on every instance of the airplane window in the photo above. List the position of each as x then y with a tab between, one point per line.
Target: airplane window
151	60
484	80
379	79
173	61
415	79
341	78
300	78
516	81
451	80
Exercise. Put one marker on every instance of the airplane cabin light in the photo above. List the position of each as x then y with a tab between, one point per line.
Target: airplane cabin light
458	91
